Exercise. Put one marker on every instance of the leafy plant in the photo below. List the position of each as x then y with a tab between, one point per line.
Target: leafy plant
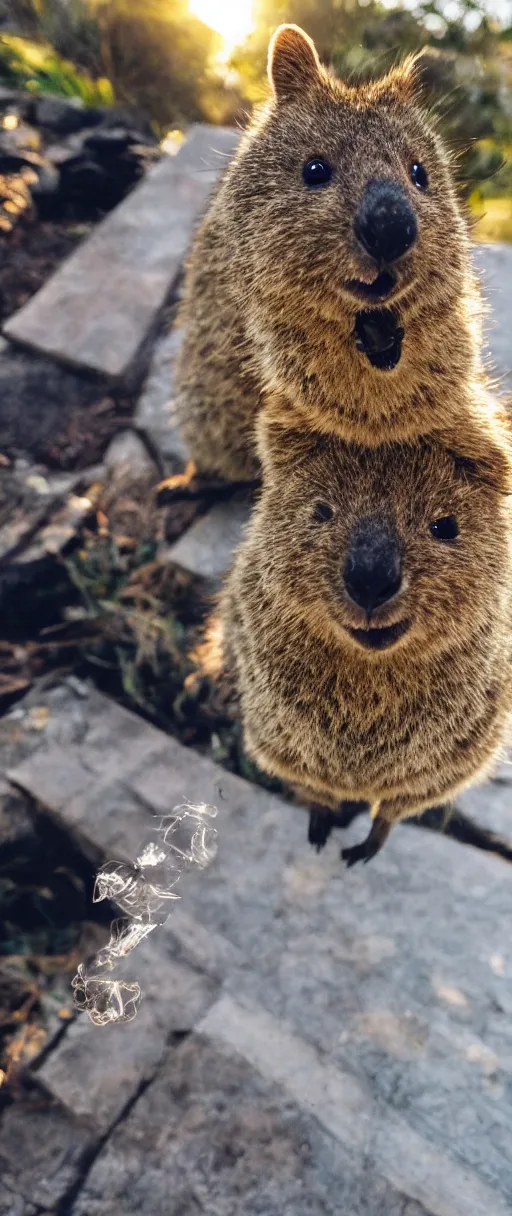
36	67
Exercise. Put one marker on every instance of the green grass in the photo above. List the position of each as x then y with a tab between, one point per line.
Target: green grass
36	67
493	219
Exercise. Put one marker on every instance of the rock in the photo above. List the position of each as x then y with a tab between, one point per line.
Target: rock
15	820
64	117
45	190
490	805
208	547
58	153
371	1008
155	408
212	1133
97	311
14	1205
95	1073
15	101
53	1147
213	1136
38	399
131	119
85	188
494	266
48	180
22	138
108	142
128	457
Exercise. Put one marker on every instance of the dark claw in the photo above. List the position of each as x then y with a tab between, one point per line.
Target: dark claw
322	821
358	852
369	848
321	824
175	489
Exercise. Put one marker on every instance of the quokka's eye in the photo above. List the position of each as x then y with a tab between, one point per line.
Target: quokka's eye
322	513
317	172
445	529
419	176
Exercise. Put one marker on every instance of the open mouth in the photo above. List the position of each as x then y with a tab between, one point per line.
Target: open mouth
381	287
380	639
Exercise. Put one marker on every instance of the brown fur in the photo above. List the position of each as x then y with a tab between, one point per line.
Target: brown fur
408	727
265	306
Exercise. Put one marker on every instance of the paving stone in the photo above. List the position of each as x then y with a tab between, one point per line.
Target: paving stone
156	406
208	547
490	805
39	401
127	456
346	1108
397	976
94	1071
97	310
12	1204
106	784
494	264
41	1149
212	1135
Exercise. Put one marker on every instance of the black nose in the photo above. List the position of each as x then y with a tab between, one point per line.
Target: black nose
385	224
373	569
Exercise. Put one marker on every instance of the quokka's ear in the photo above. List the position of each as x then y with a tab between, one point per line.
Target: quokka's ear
293	64
482	454
417	77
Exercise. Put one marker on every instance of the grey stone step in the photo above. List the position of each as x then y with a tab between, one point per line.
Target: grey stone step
378	1140
156	406
213	1135
490	805
376	1004
494	264
41	1151
99	307
95	1071
207	548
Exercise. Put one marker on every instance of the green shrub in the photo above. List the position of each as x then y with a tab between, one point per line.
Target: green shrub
36	67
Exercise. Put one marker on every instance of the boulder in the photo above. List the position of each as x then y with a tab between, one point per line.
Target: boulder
63	116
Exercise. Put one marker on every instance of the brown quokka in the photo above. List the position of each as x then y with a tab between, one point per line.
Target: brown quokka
367	619
332	268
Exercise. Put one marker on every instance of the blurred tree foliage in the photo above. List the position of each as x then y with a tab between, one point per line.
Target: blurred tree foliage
468	70
160	58
156	55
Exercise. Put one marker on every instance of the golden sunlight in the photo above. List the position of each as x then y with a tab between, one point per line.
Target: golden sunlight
232	19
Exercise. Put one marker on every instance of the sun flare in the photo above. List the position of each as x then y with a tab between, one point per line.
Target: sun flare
232	19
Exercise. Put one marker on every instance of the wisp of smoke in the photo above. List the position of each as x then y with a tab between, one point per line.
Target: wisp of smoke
144	891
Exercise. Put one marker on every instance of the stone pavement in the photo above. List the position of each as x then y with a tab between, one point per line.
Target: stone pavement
494	266
96	311
312	1040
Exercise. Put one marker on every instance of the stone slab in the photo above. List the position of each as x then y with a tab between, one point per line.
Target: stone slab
494	265
94	1071
212	1135
41	1150
401	973
208	547
395	979
96	311
490	805
14	1205
156	406
386	1144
